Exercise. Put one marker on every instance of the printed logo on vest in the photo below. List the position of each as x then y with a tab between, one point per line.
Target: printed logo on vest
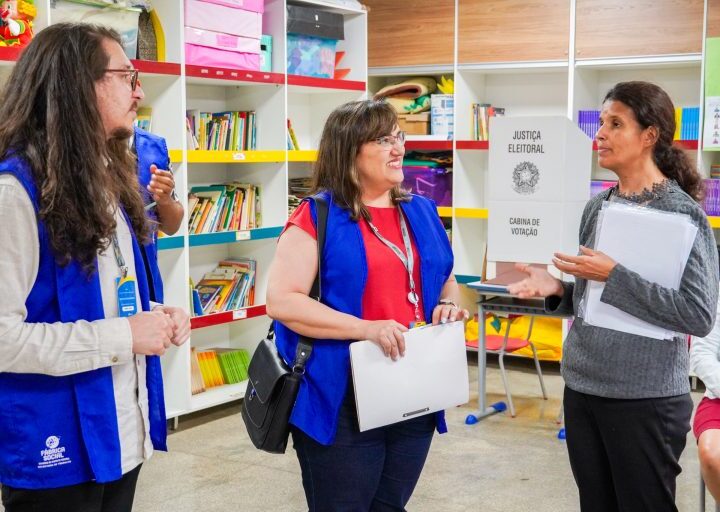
54	455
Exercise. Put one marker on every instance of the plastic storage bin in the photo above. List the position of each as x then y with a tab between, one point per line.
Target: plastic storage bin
432	182
124	21
310	21
441	115
310	56
312	39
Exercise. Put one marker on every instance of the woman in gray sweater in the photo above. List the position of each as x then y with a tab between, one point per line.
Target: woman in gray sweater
627	397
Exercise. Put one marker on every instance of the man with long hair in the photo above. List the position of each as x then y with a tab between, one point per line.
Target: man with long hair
80	378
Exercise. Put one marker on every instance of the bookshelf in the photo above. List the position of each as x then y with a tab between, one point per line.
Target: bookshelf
173	87
550	58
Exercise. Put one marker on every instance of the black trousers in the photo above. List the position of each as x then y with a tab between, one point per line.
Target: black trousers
114	496
624	453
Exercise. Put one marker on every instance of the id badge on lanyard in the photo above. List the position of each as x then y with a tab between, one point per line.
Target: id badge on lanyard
126	296
125	285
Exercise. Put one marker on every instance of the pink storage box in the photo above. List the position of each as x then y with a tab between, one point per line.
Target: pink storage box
248	5
220	18
221	41
214	57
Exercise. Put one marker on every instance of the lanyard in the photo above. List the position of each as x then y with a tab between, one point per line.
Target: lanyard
407	261
119	257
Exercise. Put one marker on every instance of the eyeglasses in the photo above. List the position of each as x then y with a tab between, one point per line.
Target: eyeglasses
389	141
133	73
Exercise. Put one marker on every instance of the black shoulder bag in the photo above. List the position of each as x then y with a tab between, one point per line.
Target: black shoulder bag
272	386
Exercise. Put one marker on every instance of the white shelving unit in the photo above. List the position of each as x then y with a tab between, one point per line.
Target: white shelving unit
171	88
530	88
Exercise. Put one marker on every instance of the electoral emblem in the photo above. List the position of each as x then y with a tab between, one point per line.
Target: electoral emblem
525	178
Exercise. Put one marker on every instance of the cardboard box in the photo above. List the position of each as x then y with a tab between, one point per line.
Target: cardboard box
223	19
415	124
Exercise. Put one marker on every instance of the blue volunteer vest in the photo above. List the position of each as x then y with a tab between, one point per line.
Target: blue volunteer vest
151	149
59	431
344	274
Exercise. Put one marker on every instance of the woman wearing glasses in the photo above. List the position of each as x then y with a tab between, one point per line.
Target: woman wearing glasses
387	265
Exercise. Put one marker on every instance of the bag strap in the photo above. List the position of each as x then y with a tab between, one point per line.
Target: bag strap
305	344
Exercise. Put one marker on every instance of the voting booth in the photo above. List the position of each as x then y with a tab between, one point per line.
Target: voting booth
539	178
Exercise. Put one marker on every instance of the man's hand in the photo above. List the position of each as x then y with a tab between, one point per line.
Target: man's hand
180	323
151	332
161	185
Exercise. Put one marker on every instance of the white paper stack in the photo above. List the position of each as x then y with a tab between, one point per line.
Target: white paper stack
654	244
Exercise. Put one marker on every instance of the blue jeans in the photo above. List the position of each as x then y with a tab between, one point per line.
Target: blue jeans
371	471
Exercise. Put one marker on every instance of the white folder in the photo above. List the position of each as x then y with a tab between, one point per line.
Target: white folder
653	243
431	377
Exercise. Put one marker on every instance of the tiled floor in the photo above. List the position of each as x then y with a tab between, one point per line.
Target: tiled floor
501	464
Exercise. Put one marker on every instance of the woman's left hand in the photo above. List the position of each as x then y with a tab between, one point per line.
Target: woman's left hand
444	313
591	265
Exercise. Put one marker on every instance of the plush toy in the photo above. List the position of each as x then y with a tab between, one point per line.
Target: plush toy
16	17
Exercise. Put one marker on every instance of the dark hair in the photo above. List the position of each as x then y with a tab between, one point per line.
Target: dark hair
349	127
653	107
51	118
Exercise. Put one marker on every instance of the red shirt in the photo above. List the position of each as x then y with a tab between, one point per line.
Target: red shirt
387	285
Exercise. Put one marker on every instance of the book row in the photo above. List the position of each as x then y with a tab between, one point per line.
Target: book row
226	207
217	367
229	287
222	131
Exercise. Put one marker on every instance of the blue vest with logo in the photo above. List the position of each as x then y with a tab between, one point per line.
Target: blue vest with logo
151	149
344	274
59	431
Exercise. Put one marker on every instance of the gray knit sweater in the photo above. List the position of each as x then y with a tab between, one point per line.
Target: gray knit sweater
614	364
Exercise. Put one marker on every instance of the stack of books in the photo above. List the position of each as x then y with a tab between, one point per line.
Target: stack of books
217	367
597	186
298	189
229	207
481	114
687	123
222	131
229	287
589	122
144	118
711	204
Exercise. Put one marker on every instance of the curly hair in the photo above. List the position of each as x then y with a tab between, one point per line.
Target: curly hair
349	127
52	120
653	107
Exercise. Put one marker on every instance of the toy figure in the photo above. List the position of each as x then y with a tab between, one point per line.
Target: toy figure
16	18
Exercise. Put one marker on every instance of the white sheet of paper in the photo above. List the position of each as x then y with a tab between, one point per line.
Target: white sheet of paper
431	377
652	243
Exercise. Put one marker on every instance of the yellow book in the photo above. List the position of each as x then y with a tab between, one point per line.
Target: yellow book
292	135
196	379
678	123
204	370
